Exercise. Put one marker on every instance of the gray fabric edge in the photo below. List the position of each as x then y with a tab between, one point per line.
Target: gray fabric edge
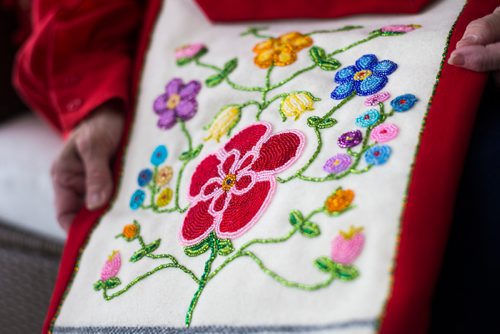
218	329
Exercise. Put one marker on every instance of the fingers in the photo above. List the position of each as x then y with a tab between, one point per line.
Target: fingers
477	57
68	180
95	151
483	31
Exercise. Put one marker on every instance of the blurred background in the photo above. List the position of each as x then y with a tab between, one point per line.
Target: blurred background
30	240
467	294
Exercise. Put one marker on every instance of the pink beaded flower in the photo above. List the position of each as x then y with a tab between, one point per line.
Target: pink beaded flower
347	246
384	132
111	266
400	28
377	98
189	52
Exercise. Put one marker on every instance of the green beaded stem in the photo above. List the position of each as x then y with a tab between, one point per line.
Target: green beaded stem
240	252
365	146
203	280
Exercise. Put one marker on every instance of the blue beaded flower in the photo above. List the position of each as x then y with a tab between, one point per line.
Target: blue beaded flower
404	103
378	155
368	76
368	118
145	177
159	155
137	199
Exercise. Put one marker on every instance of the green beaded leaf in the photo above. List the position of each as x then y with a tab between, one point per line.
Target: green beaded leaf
323	60
310	230
190	155
225	247
320	123
324	264
216	79
345	272
138	255
296	217
99	285
152	246
198	249
112	282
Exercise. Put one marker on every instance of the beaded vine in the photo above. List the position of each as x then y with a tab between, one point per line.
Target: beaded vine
244	171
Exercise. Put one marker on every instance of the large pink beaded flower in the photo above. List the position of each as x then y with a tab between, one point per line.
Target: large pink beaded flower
231	188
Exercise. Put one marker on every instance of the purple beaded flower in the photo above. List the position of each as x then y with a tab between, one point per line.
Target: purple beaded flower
338	163
350	139
178	102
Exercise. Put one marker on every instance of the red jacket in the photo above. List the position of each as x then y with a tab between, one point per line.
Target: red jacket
80	53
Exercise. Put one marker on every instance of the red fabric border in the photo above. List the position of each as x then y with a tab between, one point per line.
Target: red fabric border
85	221
430	197
431	194
243	10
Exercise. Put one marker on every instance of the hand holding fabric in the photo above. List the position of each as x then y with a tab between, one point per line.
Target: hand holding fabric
479	48
81	174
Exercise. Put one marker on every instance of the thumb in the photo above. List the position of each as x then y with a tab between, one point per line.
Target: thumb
482	31
477	57
95	152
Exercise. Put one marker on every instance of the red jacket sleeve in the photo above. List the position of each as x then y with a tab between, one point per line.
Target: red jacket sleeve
78	56
237	10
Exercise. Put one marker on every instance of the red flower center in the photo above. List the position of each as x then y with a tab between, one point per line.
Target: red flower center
403	101
229	182
367	116
376	153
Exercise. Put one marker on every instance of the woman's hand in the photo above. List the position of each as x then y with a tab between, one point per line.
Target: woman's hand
82	174
479	48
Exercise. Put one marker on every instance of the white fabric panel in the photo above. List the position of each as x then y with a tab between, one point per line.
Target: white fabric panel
241	295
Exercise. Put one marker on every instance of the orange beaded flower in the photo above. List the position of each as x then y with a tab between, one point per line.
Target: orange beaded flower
281	51
339	201
131	231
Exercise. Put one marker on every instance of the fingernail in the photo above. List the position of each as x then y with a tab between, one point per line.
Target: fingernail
471	39
95	201
457	60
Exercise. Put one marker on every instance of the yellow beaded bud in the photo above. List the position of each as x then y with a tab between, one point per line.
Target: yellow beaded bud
223	123
295	104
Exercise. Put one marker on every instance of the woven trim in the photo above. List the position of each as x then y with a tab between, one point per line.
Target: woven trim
371	324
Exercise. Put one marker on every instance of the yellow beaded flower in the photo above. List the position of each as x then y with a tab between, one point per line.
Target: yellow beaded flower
164	198
164	175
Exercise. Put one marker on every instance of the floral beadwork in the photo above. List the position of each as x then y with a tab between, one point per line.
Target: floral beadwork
159	155
347	246
399	28
377	98
187	53
368	76
339	201
281	51
338	163
378	155
295	104
231	188
109	272
384	132
404	102
137	199
240	174
368	118
144	177
224	122
350	139
178	102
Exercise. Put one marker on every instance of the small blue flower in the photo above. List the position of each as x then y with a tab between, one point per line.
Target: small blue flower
137	199
404	103
368	118
378	155
368	76
159	155
145	177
